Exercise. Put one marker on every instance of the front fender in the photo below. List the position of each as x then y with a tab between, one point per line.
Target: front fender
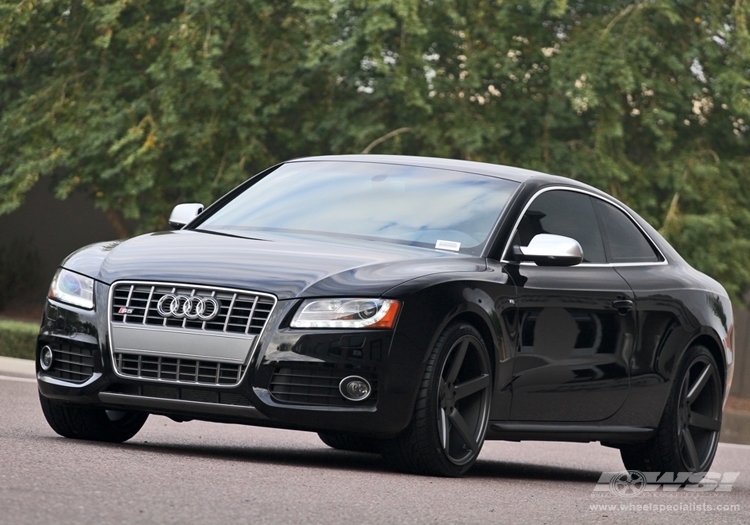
488	304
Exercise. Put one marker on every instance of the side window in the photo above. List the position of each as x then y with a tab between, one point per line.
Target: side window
625	241
565	213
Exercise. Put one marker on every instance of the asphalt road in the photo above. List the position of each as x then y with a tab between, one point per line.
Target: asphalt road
210	473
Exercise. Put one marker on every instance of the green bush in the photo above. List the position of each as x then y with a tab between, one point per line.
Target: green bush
18	339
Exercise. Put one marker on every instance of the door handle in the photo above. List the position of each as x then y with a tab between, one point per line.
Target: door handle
623	306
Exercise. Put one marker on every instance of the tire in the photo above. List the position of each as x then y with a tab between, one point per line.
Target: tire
95	424
350	442
452	410
688	434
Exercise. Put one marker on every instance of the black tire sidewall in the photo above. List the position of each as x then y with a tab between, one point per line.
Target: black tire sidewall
90	423
428	427
667	433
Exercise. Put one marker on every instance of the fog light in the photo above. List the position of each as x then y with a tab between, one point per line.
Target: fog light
45	358
355	388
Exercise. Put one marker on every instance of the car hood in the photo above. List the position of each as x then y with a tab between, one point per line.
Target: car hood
287	268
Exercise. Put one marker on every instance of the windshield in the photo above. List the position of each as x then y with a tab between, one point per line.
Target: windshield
432	208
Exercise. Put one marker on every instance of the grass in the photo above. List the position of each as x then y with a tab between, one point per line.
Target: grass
18	339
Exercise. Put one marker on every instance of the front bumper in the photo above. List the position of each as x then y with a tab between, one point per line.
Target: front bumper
290	382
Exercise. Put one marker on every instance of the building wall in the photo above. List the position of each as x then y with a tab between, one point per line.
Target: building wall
51	228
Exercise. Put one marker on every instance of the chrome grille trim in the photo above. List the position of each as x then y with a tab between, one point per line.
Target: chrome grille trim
240	312
243	314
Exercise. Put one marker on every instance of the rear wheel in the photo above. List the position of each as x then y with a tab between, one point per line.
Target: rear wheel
452	409
96	424
350	442
688	434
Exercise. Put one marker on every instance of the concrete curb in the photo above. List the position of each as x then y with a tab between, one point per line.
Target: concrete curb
14	365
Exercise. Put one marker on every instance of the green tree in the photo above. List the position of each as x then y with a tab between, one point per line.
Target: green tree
144	105
646	100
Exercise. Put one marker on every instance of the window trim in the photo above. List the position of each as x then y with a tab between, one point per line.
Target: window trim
617	205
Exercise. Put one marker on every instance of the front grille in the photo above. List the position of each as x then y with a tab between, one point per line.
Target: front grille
316	386
180	370
239	312
72	363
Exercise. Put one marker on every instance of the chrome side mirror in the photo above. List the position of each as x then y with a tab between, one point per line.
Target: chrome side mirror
182	214
551	250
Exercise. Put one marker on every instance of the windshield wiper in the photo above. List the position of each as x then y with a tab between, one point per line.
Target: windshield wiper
214	232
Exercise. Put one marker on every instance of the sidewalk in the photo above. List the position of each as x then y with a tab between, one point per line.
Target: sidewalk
22	367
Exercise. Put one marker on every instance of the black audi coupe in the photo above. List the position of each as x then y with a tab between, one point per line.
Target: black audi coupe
412	307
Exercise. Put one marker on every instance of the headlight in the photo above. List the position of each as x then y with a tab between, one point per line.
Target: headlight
72	288
346	313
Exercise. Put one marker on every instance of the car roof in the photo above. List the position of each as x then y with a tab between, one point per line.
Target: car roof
483	168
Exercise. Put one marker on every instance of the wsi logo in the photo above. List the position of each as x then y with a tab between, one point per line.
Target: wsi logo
631	483
627	484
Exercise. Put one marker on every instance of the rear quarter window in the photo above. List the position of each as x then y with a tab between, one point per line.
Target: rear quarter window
623	240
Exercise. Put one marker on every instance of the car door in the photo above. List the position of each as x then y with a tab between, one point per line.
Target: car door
658	291
576	324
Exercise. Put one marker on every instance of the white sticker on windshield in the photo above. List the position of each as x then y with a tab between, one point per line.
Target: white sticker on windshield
448	245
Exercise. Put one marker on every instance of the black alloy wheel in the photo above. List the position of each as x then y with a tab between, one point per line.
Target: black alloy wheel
699	414
688	434
452	409
464	400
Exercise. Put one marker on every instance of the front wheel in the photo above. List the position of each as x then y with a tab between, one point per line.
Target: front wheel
688	434
96	424
452	409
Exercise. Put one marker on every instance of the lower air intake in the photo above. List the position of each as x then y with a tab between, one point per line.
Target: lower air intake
316	386
178	370
72	363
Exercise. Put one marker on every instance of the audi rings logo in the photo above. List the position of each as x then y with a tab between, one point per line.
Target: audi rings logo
188	307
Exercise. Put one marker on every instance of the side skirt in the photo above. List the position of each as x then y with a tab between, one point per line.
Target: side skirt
608	435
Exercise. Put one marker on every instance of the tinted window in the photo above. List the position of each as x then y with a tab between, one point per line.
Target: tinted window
565	213
625	240
426	207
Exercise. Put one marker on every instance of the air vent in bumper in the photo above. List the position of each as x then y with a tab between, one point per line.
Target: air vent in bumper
178	370
316	386
71	362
